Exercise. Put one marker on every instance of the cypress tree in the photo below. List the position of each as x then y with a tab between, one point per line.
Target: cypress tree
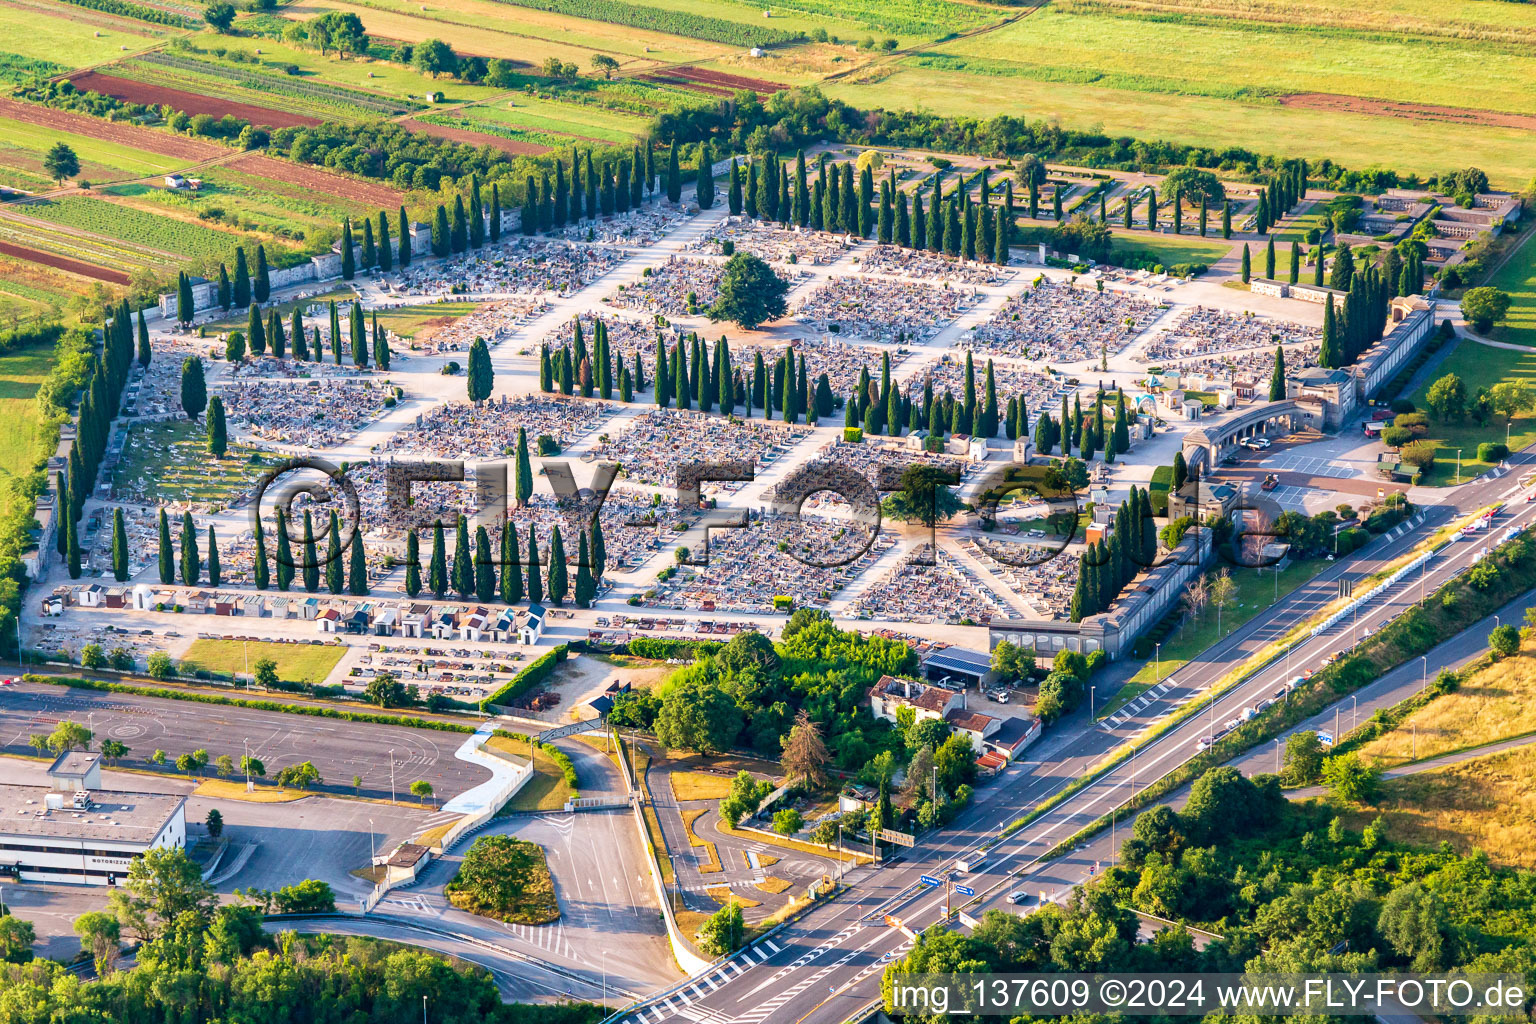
275	334
463	567
191	561
167	555
674	176
357	569
386	246
733	197
119	546
535	581
1295	273
440	230
1277	377
214	572
1269	259
1226	218
495	212
704	189
218	438
261	287
259	564
242	290
485	569
477	214
144	352
412	564
311	558
283	560
185	307
559	581
370	256
437	570
1329	355
458	236
405	240
348	269
586	588
750	192
1247	269
334	579
511	565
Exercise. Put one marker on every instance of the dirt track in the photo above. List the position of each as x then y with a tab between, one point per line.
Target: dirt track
111	131
47	259
192	103
1409	111
316	180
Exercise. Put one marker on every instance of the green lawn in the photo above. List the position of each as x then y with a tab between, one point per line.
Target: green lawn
1171	249
1518	278
1256	590
169	463
406	321
21	371
296	663
1478	366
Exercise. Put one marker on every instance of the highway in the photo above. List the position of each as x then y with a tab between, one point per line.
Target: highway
825	968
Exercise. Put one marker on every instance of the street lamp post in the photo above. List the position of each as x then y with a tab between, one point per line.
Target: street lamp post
1090	704
1277	755
391	776
1157	654
1458	465
1424	679
1354	706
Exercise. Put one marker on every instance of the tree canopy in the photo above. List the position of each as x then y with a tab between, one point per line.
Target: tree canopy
750	293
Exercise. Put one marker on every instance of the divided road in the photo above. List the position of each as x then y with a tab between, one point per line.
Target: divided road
826	966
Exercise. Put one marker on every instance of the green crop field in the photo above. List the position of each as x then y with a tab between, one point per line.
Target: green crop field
384	79
907	20
531	116
296	663
143	228
1092	45
249	202
22	146
1263	126
21	371
71	35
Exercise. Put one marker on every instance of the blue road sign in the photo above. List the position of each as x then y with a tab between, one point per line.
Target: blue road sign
930	880
965	890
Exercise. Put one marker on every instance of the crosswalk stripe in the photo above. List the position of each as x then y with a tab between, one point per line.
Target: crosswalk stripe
761	956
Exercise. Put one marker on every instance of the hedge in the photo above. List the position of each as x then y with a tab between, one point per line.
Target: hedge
660	648
313	711
538	671
567	769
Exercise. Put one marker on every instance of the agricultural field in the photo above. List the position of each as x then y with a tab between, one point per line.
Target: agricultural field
32	291
249	203
908	21
21	371
1478	366
1410	145
544	122
1120	49
263	84
72	35
152	233
22	146
491	29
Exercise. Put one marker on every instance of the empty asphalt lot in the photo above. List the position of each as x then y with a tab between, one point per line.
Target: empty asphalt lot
338	748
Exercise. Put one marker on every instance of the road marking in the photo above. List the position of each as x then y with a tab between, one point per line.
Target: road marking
772	948
761	956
